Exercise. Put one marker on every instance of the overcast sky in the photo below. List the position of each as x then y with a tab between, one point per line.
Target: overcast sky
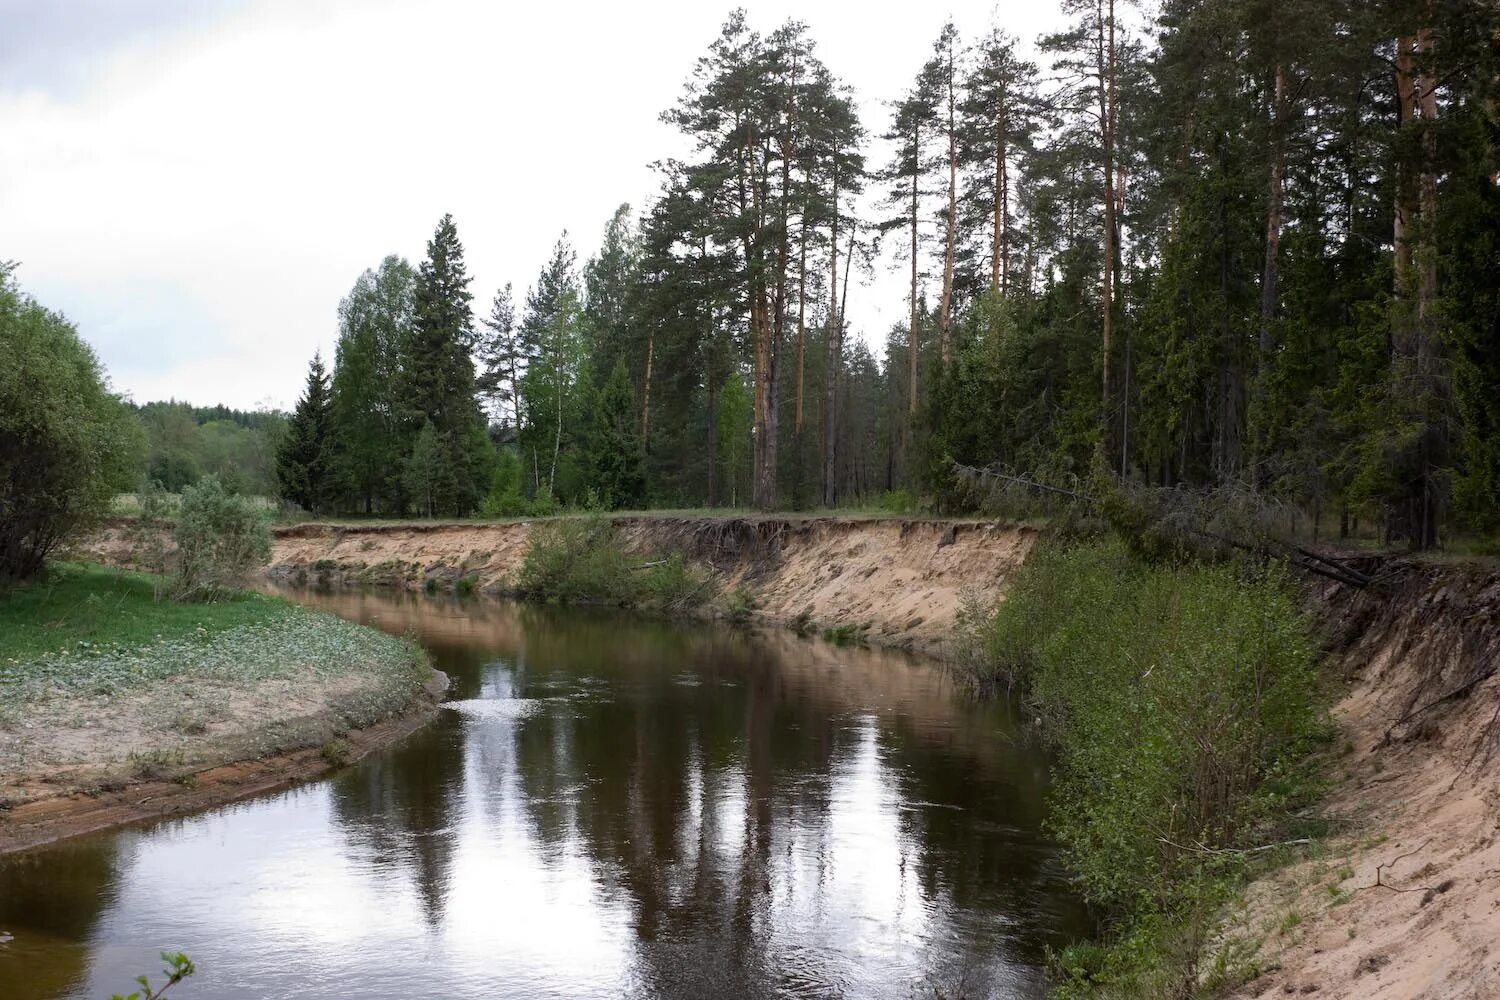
196	183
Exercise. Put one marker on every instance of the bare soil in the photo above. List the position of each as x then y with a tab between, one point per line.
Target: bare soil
87	799
903	578
1405	902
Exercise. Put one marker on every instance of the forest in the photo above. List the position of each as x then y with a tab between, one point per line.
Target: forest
1251	246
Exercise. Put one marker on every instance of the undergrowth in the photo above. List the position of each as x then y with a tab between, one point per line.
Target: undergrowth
1182	703
583	561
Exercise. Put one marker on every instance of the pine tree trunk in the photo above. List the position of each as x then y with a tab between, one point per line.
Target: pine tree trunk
1406	194
801	328
1000	256
832	349
950	248
646	389
1433	436
1106	73
912	331
713	441
1269	296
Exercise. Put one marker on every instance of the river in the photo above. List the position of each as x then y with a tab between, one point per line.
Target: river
606	807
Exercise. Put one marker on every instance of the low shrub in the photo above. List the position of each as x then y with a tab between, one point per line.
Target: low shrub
1182	704
220	538
740	605
581	560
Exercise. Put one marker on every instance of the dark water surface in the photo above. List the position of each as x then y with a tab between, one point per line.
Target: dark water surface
606	808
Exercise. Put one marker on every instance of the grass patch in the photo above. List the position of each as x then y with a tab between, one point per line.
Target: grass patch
77	608
1182	703
582	560
87	631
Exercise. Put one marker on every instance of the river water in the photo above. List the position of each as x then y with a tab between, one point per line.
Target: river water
606	808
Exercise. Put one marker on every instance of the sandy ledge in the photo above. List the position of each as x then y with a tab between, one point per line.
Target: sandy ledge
43	806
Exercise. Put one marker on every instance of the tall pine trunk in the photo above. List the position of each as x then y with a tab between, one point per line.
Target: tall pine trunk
1106	72
833	348
1000	255
950	246
912	331
1269	295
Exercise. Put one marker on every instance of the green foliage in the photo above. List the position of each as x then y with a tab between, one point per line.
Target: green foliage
898	502
305	459
337	752
505	498
847	634
740	605
220	539
75	609
619	477
185	442
581	560
178	968
449	461
373	432
67	444
1182	703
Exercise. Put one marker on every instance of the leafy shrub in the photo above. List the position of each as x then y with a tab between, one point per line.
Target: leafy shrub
1182	704
740	605
220	537
580	560
178	968
67	444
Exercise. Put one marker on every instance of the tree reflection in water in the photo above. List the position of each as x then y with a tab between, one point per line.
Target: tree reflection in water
611	807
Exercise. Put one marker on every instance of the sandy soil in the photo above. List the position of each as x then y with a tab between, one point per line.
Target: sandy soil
1406	901
51	817
905	579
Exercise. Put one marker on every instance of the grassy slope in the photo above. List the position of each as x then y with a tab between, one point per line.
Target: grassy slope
91	604
91	632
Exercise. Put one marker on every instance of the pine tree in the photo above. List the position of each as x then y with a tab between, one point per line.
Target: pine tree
305	460
1001	117
502	353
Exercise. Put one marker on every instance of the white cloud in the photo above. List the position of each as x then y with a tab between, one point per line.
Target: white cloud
203	200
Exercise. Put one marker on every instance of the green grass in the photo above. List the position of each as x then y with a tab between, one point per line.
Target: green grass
88	631
78	607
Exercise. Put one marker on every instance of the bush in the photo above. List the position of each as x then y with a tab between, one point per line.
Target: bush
580	560
740	605
221	538
67	444
1182	705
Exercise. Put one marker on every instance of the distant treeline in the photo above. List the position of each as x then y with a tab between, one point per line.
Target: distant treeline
1255	247
185	442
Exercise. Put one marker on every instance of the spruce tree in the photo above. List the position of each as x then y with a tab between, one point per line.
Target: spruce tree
619	477
305	460
439	374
